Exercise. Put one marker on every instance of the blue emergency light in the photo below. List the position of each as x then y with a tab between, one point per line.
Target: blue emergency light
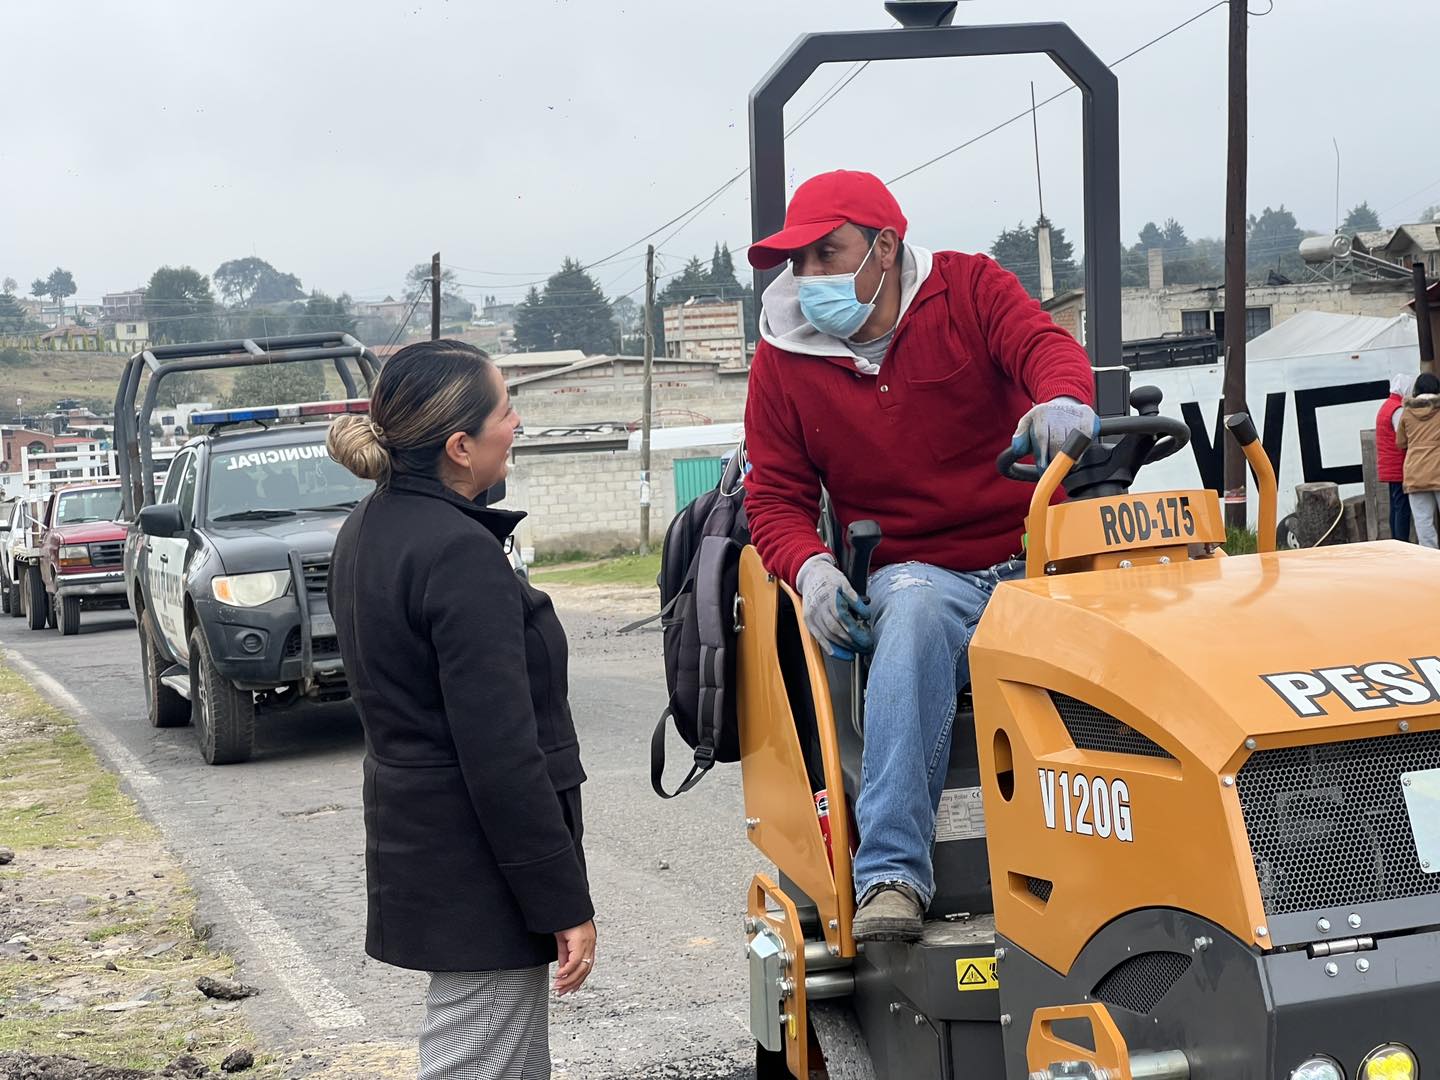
280	412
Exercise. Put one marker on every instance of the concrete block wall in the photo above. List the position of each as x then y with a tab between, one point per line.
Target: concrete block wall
590	502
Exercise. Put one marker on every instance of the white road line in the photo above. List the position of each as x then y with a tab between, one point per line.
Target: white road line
326	1007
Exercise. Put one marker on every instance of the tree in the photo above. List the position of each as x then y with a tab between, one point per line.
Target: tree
12	315
179	305
278	384
1273	243
1430	213
252	280
453	304
630	324
184	387
1018	250
57	286
8	286
572	313
1360	219
325	313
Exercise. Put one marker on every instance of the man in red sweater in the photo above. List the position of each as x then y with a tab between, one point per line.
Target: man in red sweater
895	376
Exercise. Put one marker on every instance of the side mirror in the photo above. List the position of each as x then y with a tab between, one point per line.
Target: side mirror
162	519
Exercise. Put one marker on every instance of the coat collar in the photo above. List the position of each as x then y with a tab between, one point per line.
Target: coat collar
500	522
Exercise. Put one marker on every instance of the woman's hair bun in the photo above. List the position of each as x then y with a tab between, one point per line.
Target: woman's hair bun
355	443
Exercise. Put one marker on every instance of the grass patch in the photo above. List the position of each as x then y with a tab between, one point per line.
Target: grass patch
636	570
1240	541
77	837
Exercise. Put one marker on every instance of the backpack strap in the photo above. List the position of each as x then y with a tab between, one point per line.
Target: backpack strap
657	762
715	637
662	613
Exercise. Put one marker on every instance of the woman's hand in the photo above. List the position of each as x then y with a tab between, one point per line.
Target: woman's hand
576	948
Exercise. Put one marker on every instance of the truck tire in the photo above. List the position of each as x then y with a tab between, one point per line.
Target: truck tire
4	595
164	707
17	605
37	600
67	615
224	716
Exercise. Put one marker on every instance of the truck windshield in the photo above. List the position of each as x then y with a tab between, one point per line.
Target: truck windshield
80	507
273	480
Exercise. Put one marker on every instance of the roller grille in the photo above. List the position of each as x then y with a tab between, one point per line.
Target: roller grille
1139	982
1092	729
1328	825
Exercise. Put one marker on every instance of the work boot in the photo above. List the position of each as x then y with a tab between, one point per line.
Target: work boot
889	912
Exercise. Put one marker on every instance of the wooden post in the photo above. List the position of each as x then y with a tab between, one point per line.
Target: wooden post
1377	495
1235	174
435	296
646	406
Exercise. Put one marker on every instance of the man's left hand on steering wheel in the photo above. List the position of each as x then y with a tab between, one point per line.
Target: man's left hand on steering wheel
1043	430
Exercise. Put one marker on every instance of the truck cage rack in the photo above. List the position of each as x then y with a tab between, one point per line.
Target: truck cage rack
135	457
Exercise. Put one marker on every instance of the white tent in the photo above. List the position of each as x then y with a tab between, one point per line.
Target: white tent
1313	383
1319	333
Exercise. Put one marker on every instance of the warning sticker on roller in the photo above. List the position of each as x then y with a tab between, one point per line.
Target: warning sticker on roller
961	815
977	974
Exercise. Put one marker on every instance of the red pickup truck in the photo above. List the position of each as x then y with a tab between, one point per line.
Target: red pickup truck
79	557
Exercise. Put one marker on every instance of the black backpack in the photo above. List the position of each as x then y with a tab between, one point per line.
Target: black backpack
699	579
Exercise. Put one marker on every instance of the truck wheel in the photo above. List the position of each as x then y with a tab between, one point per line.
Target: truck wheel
67	612
37	601
17	605
224	716
4	595
163	705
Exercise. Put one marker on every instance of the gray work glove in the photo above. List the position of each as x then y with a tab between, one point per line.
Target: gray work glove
1043	430
837	618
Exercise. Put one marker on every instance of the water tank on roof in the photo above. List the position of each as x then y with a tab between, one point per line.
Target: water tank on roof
1322	249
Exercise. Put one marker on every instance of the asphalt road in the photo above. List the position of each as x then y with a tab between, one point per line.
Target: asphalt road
275	850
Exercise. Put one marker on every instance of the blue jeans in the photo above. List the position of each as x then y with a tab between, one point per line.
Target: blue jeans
924	619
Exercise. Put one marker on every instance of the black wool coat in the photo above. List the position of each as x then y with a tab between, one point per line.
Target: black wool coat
473	854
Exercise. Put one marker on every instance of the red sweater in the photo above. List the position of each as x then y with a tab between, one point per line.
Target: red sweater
913	448
1389	458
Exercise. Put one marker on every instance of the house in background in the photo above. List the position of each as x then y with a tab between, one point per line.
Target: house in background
1404	245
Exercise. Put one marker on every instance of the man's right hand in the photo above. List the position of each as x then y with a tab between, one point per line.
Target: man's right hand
834	614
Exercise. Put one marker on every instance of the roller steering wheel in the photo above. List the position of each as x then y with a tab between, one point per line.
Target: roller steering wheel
1166	435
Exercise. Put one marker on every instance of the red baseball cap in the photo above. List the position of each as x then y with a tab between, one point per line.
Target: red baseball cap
821	205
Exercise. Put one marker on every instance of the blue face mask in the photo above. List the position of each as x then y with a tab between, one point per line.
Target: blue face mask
829	303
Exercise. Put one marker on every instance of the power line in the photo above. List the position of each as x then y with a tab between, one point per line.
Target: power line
1027	112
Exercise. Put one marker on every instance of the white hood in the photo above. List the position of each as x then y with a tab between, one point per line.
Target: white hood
783	325
1402	384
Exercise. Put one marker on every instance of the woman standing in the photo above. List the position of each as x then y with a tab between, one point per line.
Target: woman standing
473	853
1419	436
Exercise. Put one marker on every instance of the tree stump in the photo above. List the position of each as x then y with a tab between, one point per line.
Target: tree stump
1318	513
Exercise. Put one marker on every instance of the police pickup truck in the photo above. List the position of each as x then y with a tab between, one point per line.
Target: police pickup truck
228	572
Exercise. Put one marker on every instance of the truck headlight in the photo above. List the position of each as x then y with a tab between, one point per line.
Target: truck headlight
251	590
1390	1062
1318	1068
72	555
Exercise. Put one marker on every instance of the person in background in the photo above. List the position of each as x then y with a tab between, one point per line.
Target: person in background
1419	436
1390	458
473	855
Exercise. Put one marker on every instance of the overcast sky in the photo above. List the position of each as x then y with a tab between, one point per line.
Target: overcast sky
344	142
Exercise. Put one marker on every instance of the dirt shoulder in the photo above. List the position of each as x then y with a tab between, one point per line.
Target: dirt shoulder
99	951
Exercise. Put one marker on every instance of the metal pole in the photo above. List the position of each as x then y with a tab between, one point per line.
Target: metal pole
1235	173
435	296
645	410
1422	318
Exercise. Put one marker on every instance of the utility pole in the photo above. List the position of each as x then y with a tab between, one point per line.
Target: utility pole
1042	227
435	296
645	409
1235	177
